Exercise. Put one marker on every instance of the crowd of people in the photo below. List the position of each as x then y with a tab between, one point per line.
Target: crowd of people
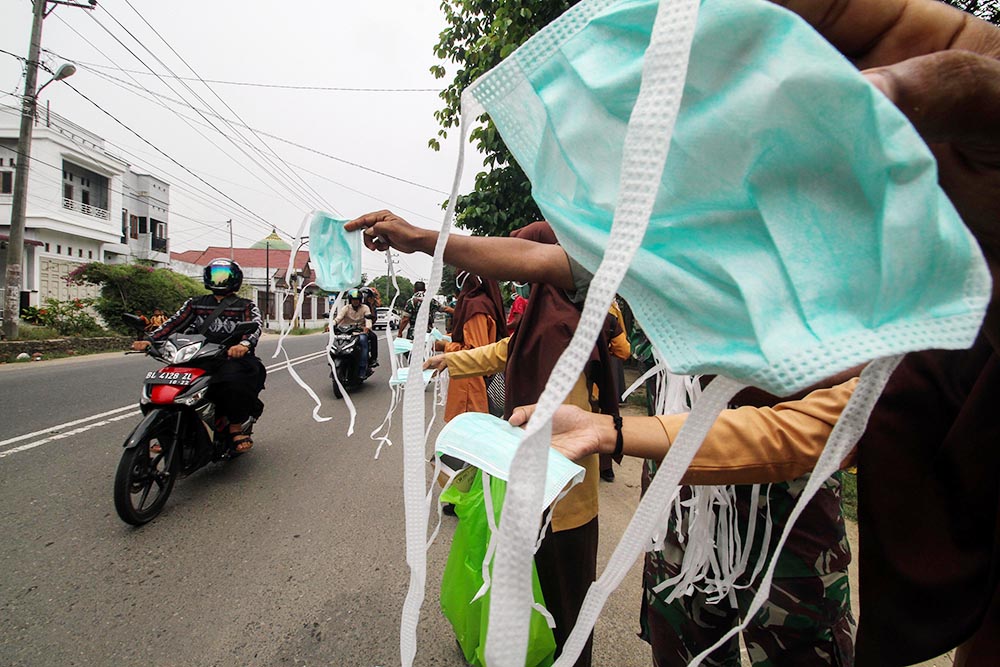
928	462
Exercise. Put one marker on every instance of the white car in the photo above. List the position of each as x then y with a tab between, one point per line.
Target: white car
385	317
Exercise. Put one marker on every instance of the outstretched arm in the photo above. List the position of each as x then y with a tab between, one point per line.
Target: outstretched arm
499	258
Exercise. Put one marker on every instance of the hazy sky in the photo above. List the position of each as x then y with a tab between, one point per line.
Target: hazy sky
372	44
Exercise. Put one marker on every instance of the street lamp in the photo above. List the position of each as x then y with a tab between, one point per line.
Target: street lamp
29	104
15	243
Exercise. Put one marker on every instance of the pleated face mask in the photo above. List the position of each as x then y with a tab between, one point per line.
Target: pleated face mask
335	253
768	214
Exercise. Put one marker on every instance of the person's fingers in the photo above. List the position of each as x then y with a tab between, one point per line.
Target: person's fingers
874	33
950	97
521	415
367	220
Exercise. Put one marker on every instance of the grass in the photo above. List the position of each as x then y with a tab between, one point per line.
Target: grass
304	331
32	332
849	495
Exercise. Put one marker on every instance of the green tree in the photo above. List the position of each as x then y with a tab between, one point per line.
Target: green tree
448	286
385	290
988	10
126	288
481	33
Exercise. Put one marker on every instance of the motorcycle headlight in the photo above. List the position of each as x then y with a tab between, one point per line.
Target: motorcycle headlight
186	353
168	350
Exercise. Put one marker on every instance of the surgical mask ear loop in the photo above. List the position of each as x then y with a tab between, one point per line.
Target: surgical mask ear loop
845	435
390	338
414	489
647	142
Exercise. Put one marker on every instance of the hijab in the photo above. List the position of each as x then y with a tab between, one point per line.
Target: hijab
544	332
478	296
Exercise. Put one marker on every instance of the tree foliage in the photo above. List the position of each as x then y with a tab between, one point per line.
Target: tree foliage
126	288
479	34
385	290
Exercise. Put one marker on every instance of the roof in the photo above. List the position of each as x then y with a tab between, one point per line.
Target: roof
245	257
275	241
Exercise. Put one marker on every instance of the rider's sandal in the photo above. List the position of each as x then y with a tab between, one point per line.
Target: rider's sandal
242	443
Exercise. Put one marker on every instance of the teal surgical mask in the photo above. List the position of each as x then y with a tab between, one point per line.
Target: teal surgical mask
488	443
523	290
769	215
335	254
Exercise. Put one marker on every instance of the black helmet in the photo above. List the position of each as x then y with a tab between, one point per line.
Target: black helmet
223	276
354	294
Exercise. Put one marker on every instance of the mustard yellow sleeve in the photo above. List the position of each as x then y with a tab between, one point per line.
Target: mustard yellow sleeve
485	360
620	347
761	445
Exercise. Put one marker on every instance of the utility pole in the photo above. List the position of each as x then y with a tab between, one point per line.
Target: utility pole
29	104
230	221
267	283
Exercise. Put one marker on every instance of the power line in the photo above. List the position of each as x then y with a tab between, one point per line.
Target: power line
131	88
134	55
263	133
289	172
171	212
96	48
261	85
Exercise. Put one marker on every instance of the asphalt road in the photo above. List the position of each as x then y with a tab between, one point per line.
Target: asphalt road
290	555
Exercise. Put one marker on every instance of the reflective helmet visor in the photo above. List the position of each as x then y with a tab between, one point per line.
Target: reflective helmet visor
220	275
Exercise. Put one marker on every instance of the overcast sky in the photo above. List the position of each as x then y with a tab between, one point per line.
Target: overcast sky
373	44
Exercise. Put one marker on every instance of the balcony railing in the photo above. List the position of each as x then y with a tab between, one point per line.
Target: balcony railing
86	209
159	245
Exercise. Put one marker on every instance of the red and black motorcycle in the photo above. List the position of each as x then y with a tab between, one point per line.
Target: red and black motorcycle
180	431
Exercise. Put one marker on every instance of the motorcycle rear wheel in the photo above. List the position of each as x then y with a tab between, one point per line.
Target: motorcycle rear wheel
142	482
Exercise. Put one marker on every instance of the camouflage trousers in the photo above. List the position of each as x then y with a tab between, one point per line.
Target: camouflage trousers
785	632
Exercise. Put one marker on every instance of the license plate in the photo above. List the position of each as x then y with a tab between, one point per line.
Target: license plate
169	377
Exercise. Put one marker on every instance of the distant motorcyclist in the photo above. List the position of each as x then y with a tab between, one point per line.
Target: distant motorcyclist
237	382
356	313
371	298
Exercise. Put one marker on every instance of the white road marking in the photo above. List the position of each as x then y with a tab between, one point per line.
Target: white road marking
58	433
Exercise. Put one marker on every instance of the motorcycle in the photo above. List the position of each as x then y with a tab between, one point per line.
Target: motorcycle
344	350
179	432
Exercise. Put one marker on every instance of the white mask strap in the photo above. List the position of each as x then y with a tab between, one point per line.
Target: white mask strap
414	489
845	435
647	141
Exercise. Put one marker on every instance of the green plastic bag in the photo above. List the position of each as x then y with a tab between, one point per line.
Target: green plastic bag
463	577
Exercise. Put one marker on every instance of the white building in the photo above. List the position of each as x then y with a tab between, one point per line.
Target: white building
84	205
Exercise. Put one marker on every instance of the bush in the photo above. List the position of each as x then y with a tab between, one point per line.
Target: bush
35	332
66	318
126	288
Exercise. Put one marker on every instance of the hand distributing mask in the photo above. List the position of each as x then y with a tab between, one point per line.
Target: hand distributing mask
335	254
778	218
489	443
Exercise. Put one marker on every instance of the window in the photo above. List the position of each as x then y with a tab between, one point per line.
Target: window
58	249
46	247
6	182
69	250
67	191
143	225
90	254
124	225
133	226
85	197
79	253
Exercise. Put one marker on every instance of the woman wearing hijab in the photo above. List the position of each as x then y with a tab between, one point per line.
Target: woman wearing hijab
477	321
566	562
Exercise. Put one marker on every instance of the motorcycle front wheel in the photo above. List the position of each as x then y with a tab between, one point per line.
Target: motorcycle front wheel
143	483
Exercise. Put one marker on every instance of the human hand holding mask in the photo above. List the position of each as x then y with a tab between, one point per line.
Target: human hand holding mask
948	88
